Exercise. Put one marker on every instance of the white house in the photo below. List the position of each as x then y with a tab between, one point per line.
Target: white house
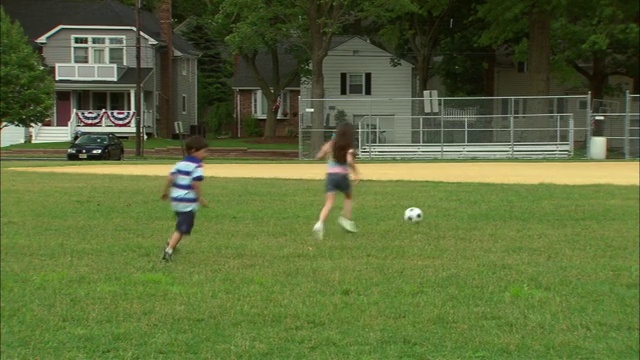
359	79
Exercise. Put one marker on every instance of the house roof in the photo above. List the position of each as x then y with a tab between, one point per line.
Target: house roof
243	77
38	17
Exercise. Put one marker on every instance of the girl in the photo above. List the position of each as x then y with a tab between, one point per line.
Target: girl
341	161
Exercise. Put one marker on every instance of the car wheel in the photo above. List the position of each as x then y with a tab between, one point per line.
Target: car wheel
121	158
107	155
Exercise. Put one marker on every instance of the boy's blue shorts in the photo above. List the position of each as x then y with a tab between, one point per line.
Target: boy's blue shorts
185	221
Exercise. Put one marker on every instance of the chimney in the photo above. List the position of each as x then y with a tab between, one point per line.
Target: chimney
165	123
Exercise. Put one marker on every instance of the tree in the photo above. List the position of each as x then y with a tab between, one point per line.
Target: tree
600	45
326	18
413	29
27	87
526	24
251	28
215	96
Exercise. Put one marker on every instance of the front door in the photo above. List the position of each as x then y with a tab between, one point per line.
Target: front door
63	108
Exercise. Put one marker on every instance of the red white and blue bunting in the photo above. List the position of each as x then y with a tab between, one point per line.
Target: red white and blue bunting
90	118
121	118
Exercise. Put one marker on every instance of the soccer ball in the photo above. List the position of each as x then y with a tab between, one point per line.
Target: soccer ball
413	214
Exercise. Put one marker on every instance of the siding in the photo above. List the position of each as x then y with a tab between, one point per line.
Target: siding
58	48
185	84
387	82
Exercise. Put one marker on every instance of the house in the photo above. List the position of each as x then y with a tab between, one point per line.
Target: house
90	47
249	102
362	84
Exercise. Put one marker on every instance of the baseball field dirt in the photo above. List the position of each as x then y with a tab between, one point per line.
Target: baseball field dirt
568	173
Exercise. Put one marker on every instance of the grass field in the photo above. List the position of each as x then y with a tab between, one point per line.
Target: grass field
494	272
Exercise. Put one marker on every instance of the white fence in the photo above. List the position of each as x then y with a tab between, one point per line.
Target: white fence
12	135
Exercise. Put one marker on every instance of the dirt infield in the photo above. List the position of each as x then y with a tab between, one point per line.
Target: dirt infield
569	173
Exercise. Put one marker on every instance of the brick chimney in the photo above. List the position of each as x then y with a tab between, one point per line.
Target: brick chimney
165	122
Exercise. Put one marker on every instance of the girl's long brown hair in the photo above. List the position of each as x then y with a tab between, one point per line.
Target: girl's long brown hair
342	143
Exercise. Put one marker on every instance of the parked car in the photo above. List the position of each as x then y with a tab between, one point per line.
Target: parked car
96	146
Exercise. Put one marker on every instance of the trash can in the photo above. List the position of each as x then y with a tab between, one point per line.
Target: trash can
598	148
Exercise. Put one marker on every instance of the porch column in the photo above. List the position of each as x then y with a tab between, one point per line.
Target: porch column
132	95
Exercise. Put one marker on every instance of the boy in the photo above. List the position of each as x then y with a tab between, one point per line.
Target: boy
183	187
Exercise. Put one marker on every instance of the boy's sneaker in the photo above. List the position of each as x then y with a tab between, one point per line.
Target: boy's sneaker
166	256
318	229
347	224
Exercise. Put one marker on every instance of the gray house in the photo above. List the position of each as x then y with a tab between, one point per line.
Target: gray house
90	47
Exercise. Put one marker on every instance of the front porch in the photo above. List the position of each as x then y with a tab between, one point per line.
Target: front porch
103	109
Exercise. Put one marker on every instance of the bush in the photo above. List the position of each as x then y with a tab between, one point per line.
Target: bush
220	117
252	127
340	117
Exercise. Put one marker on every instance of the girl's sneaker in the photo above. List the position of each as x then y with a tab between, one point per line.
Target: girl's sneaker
318	229
347	224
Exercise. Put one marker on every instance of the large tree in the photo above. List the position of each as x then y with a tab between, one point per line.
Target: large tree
326	18
602	44
215	69
254	27
525	24
27	86
413	29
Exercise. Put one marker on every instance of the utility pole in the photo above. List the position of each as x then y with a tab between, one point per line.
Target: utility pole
138	83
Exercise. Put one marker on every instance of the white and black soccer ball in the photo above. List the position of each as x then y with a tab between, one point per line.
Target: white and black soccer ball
413	214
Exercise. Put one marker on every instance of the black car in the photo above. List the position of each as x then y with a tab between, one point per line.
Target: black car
96	146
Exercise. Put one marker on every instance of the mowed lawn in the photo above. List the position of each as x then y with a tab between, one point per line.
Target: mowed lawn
494	272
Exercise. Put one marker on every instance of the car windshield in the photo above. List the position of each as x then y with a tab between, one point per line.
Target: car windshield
93	139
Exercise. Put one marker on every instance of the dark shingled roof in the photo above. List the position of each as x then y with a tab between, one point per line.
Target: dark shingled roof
38	17
243	77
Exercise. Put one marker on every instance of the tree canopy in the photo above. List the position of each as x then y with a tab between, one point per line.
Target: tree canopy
27	87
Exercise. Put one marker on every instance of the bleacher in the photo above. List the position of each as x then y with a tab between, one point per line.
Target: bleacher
467	151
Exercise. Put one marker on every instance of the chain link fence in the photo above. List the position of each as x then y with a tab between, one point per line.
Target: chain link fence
621	125
473	127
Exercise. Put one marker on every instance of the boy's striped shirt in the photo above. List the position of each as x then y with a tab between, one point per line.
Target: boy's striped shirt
185	172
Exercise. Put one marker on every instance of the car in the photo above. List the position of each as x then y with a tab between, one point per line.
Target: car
96	146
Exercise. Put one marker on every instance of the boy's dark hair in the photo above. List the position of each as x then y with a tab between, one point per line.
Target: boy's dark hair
342	143
195	143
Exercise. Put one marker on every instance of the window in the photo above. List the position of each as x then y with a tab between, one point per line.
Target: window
517	109
522	66
582	105
260	104
184	67
98	50
355	84
184	103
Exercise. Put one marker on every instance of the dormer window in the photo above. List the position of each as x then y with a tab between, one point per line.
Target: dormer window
98	49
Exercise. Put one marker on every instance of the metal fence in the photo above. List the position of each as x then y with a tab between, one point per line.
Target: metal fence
473	127
621	118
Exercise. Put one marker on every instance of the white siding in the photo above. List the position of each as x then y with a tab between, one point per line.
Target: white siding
12	135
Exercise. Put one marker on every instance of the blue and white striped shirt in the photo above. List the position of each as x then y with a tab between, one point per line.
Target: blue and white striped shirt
185	172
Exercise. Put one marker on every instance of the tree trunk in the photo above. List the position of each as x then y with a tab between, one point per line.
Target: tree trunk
317	93
539	74
597	83
489	75
270	124
539	52
318	53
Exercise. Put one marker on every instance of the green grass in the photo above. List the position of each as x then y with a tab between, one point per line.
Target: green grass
494	272
163	143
